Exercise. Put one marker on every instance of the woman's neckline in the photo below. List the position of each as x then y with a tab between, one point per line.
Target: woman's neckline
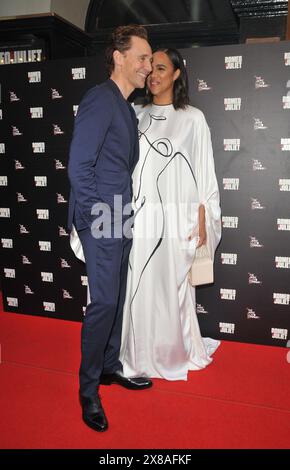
167	104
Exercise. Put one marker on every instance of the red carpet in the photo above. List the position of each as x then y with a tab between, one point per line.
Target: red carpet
241	400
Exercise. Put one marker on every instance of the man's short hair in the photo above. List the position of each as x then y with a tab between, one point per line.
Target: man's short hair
121	41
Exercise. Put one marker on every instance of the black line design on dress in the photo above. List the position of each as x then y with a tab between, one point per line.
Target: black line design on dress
162	141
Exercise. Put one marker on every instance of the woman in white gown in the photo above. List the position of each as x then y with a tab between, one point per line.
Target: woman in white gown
176	204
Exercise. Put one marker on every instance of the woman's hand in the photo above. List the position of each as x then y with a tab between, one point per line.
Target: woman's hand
201	224
202	231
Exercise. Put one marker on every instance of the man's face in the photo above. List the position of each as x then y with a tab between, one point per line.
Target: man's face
136	62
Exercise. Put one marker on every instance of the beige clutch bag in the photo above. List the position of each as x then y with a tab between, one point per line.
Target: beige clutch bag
201	271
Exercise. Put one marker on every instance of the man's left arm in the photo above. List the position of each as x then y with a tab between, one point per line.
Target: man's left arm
91	126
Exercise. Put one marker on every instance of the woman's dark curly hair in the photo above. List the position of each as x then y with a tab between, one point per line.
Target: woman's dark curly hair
180	87
121	41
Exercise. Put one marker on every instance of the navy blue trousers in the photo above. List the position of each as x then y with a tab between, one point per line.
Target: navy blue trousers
107	266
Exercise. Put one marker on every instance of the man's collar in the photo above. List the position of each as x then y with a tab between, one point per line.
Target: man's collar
114	87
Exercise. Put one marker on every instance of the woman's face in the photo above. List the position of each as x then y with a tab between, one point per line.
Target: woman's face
161	80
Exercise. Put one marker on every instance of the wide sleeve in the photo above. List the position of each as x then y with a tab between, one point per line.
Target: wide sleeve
207	186
91	126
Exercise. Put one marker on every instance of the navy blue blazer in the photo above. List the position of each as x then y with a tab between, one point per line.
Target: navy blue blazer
103	153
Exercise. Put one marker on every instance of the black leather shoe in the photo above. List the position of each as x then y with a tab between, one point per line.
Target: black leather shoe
132	383
93	413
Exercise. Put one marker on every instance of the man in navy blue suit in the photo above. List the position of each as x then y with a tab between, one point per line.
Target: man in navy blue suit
104	151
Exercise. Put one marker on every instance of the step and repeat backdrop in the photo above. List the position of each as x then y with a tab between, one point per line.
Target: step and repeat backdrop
244	92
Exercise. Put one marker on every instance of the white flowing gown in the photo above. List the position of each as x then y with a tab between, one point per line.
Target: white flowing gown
175	174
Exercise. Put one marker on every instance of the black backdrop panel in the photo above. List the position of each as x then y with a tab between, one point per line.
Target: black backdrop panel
244	92
41	276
